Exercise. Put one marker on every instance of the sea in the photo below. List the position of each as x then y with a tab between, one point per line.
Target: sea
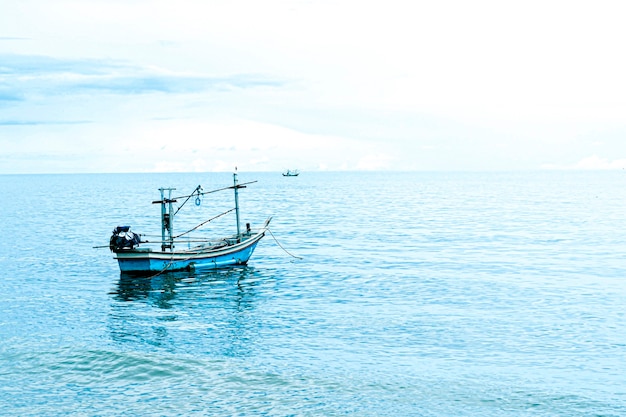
372	294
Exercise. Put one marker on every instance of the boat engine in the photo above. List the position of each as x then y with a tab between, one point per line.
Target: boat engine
123	238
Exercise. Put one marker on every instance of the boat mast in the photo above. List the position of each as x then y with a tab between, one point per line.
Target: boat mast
167	219
236	187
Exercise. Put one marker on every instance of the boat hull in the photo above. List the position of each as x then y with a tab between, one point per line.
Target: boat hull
145	261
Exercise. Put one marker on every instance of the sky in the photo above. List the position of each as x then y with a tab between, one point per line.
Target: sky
317	85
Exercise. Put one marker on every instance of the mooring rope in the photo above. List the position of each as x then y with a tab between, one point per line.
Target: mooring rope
281	246
162	270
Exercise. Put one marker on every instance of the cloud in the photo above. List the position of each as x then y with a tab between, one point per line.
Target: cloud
30	75
42	122
374	162
183	145
593	162
9	97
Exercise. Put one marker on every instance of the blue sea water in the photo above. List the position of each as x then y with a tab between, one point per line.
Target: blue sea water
416	294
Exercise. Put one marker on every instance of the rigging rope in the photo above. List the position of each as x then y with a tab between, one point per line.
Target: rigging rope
198	190
281	246
203	223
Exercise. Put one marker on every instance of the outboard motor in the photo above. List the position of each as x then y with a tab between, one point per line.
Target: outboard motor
123	238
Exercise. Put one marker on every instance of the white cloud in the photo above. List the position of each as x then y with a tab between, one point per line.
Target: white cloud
193	145
375	162
593	162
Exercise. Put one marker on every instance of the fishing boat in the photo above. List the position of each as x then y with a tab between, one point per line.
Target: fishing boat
291	173
137	256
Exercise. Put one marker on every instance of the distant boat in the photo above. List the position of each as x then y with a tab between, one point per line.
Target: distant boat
291	173
206	253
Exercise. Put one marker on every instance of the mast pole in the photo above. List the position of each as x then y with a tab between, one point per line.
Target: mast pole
167	219
236	187
171	221
163	217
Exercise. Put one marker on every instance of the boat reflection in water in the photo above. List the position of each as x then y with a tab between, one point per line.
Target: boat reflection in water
210	312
